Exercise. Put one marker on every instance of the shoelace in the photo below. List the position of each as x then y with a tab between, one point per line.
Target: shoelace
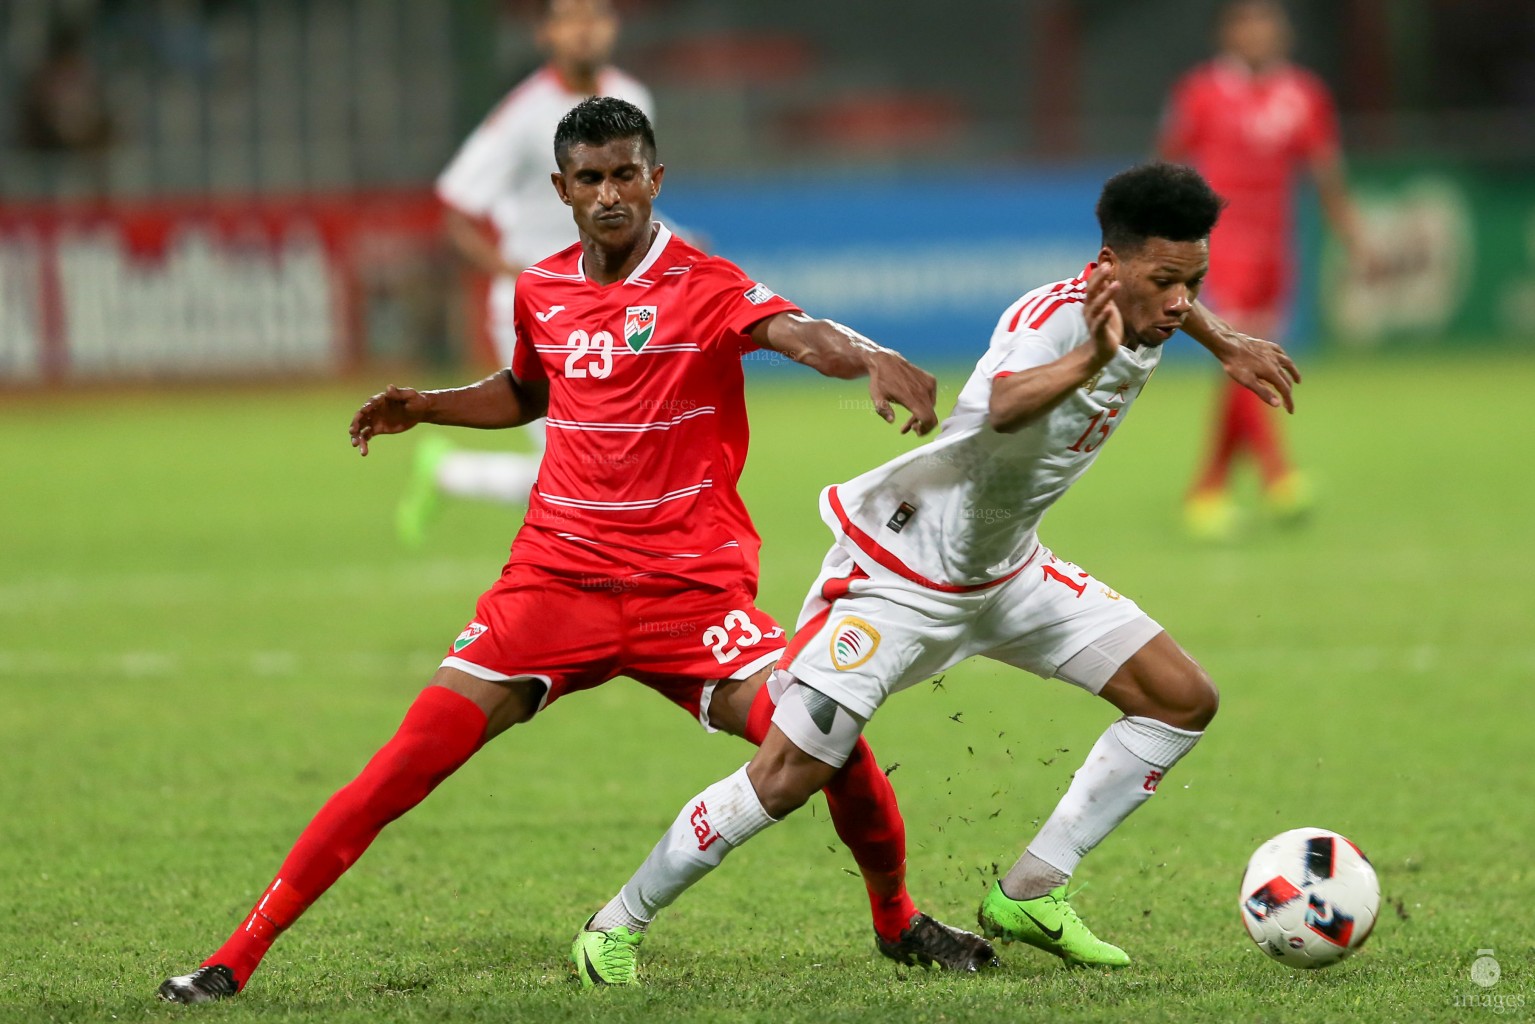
214	978
616	952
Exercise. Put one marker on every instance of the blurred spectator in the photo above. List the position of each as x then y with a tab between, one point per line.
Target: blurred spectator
63	106
503	215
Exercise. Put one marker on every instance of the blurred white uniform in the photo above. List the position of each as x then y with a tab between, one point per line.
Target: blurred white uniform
501	172
937	556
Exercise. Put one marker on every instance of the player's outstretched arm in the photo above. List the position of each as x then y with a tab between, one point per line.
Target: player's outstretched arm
1019	399
1260	366
834	350
500	400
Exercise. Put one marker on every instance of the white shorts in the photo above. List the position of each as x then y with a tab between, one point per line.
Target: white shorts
861	639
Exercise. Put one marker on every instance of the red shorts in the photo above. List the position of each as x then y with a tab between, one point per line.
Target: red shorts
1247	283
572	633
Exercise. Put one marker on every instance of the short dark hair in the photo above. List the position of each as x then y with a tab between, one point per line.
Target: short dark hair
599	120
1157	200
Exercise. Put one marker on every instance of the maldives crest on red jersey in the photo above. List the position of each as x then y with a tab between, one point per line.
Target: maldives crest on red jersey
471	633
639	326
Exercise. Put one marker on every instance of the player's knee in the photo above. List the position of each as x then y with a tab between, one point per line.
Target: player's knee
1196	701
782	795
784	785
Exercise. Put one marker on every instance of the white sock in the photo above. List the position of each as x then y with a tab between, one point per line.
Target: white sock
1121	772
495	476
709	826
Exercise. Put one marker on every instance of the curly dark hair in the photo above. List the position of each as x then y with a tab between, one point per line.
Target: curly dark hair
1157	200
599	120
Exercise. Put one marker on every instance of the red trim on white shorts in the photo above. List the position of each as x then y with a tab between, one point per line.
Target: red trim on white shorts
831	591
871	547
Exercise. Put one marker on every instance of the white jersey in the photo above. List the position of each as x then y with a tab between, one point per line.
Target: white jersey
502	170
961	512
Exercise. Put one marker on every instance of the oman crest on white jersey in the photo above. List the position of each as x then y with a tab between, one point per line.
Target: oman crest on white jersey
639	326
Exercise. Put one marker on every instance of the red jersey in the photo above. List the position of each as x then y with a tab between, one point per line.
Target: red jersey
1249	134
647	428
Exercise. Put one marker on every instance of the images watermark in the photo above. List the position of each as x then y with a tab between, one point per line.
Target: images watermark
987	515
1486	973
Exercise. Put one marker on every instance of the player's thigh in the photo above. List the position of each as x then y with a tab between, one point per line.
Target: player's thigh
1057	621
540	636
876	637
505	703
687	639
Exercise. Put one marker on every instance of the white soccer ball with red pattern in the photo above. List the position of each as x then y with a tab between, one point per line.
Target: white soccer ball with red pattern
1309	897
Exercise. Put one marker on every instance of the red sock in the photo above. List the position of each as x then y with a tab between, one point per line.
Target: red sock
1245	423
868	819
1227	441
440	732
1252	423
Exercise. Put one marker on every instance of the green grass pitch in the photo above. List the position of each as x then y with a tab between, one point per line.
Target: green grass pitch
206	626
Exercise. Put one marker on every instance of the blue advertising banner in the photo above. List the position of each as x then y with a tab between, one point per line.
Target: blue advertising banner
922	264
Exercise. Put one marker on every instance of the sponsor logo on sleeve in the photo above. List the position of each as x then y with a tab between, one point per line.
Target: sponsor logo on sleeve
757	294
639	326
471	633
853	642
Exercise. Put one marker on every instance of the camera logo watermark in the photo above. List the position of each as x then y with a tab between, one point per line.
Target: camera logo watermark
1485	974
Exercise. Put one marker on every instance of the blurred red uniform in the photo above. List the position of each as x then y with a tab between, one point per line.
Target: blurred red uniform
1251	133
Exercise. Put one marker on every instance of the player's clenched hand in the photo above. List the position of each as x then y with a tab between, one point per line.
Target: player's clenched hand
1104	324
893	379
389	412
1263	368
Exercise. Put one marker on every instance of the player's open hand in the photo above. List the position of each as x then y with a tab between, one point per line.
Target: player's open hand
1263	368
391	411
893	379
1104	323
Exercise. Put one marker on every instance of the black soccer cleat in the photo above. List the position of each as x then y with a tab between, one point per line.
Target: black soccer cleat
204	985
930	943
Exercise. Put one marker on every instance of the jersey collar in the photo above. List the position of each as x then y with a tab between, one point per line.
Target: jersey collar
658	245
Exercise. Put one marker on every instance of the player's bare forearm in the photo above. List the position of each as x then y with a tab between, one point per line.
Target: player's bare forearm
834	350
1259	365
1211	331
827	347
498	401
1337	208
474	245
1019	399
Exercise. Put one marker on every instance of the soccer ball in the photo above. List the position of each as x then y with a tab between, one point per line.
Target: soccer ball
1309	897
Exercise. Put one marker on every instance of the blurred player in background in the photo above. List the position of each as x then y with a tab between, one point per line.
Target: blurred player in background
937	558
637	556
503	216
1249	120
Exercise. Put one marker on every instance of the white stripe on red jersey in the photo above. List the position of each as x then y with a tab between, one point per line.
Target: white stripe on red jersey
646	408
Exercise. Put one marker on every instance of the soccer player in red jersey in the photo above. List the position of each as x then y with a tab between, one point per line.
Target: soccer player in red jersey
631	350
1249	121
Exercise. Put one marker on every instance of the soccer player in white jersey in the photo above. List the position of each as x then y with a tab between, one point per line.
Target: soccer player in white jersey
498	186
936	559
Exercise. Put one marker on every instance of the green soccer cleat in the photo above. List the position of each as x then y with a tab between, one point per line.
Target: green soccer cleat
1289	499
420	502
1210	516
1047	922
605	957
